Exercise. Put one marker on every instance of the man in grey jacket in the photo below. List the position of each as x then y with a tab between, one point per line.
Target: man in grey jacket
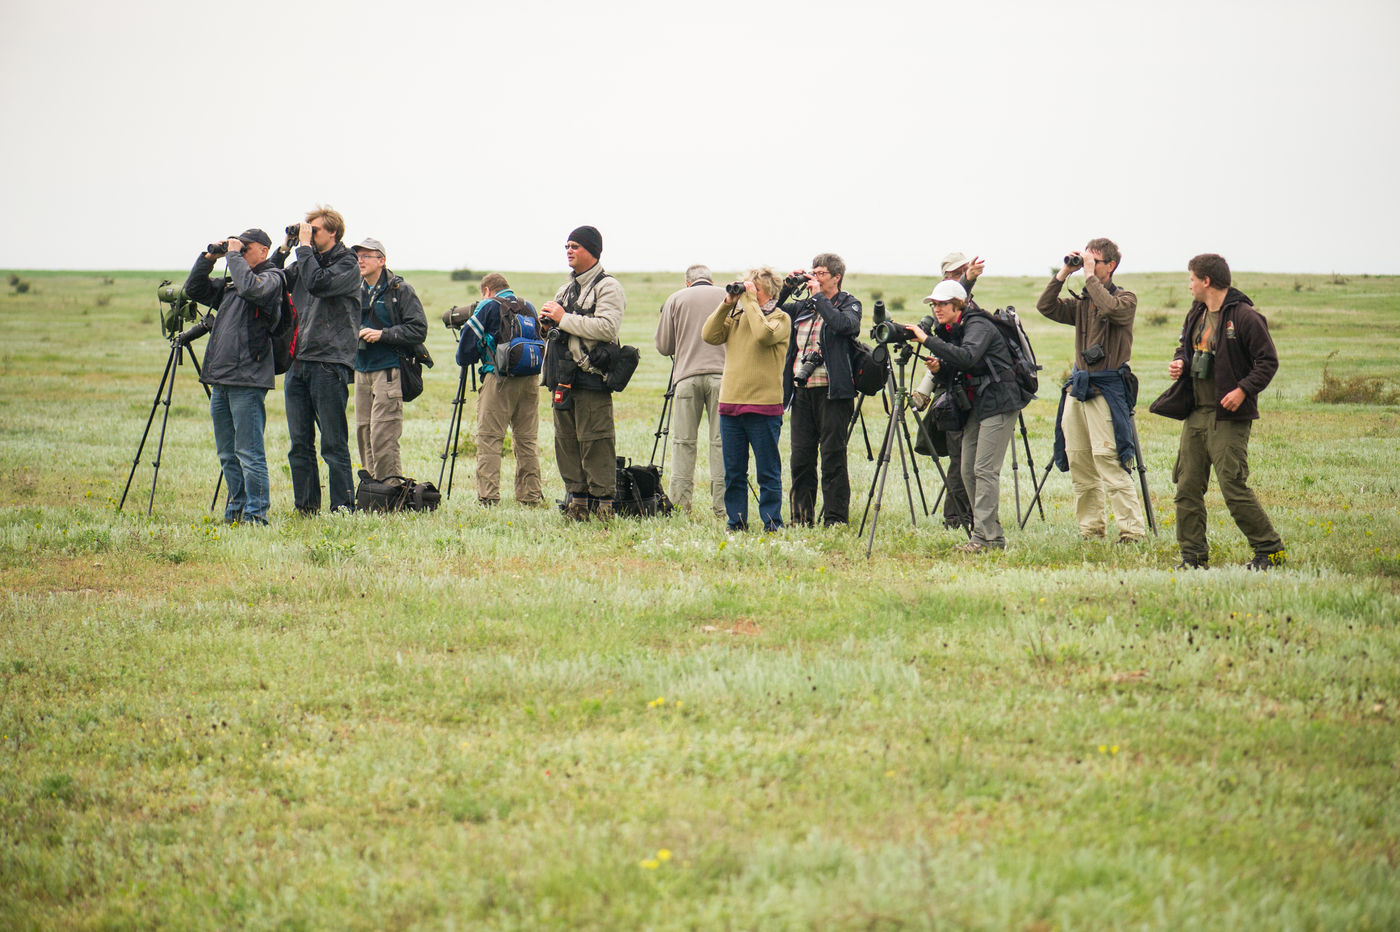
238	364
325	286
695	381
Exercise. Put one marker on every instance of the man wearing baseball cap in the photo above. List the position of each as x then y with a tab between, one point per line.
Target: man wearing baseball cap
585	312
238	362
392	323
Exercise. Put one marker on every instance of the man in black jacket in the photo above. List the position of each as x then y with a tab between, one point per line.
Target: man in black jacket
819	352
1226	349
238	364
325	286
392	323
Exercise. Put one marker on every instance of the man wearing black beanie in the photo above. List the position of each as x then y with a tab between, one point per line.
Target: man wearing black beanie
586	311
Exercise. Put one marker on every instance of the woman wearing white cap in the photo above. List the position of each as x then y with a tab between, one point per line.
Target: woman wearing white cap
978	352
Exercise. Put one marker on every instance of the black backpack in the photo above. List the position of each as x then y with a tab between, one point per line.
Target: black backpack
870	369
1023	363
639	491
284	335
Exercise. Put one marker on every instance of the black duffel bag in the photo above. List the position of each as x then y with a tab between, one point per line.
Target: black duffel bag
395	493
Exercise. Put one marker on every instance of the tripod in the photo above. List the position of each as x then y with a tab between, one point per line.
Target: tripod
454	429
896	435
1142	479
663	424
178	349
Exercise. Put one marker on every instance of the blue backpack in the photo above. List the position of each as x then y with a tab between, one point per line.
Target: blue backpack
516	350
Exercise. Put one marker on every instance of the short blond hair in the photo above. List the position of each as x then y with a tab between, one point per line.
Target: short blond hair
333	221
767	279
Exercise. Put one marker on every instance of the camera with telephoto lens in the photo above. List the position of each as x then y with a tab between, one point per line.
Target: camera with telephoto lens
886	330
810	362
1073	262
734	288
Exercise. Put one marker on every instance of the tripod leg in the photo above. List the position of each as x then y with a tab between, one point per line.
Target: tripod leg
1030	463
1038	487
208	393
878	482
1016	476
913	462
164	421
1142	479
452	428
160	390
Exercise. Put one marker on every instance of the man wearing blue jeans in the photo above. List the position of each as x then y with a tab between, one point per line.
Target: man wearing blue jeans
238	363
325	286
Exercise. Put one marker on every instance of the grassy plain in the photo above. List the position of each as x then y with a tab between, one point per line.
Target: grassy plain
489	719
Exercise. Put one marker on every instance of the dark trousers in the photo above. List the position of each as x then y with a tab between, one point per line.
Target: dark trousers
584	445
316	394
737	434
819	426
1207	442
957	508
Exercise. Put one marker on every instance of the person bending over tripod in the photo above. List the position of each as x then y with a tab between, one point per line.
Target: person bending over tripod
238	363
976	348
755	336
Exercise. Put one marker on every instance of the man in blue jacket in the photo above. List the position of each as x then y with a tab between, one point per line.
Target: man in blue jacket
325	286
238	364
505	400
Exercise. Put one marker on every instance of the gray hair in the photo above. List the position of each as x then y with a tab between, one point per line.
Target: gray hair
698	273
833	264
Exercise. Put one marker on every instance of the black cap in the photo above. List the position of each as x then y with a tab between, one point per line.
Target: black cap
589	238
254	235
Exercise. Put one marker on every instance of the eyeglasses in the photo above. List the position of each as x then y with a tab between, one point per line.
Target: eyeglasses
370	255
942	303
572	247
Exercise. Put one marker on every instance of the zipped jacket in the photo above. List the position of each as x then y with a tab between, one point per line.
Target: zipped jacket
979	350
840	325
240	345
1245	356
326	291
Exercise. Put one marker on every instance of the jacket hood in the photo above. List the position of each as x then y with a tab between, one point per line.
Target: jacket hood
1235	296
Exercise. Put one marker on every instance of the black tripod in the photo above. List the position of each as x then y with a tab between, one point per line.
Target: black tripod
178	348
663	424
1016	475
896	435
454	429
1142	479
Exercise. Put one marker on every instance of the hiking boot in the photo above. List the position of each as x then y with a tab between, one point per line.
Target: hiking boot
488	502
1129	539
1192	563
1267	561
971	546
577	509
604	509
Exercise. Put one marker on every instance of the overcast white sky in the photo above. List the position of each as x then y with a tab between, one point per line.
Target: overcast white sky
732	133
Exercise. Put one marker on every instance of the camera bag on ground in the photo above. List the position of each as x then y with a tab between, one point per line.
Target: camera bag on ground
395	493
639	491
869	368
518	351
1023	364
617	363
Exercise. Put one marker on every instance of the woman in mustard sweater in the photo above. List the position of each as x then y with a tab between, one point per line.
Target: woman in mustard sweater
754	334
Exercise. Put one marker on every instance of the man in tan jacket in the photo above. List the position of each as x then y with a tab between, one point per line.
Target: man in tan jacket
586	311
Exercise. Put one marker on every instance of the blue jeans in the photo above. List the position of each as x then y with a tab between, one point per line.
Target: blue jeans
239	418
316	394
737	433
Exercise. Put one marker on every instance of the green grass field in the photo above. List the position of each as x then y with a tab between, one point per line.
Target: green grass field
492	719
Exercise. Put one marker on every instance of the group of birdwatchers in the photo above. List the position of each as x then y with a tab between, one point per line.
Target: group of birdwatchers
742	361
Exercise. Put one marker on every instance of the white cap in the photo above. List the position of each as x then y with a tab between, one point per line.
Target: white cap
947	291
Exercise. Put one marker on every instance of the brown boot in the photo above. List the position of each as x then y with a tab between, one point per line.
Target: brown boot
603	511
577	509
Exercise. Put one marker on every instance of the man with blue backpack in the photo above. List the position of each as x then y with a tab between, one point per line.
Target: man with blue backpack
503	336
